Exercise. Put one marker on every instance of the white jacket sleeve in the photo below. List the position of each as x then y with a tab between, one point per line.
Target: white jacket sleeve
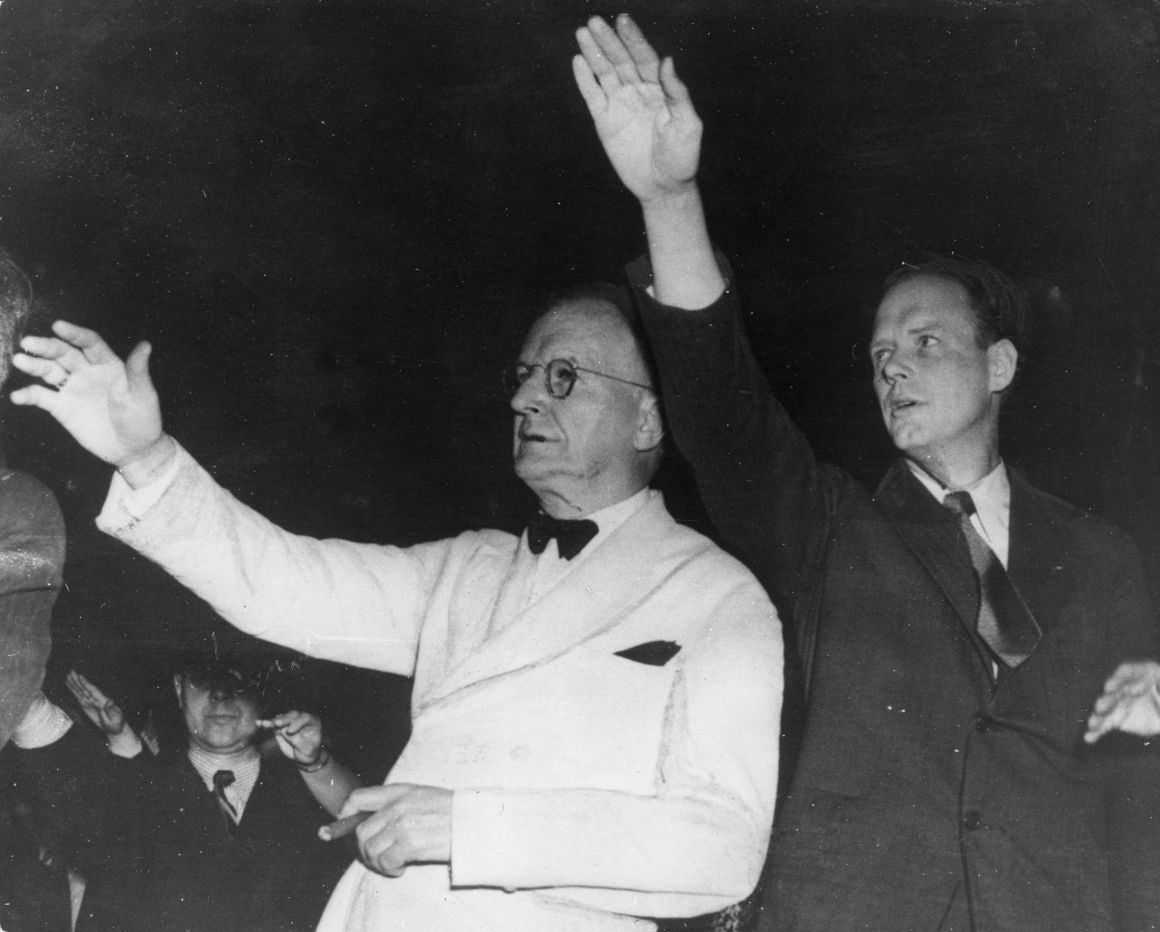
360	604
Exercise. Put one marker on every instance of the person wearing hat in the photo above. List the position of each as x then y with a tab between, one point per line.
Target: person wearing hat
216	838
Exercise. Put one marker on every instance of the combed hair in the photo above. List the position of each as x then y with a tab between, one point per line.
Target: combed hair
616	298
1001	313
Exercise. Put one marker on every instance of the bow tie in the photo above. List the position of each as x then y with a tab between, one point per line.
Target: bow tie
571	536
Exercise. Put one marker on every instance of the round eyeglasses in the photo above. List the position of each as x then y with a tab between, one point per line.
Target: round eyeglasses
559	377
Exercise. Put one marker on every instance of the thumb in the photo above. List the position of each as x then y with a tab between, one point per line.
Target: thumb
137	368
676	93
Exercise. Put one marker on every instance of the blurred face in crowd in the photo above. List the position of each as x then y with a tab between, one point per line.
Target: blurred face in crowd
938	389
595	446
221	713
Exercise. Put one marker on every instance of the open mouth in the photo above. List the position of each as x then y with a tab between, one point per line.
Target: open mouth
898	405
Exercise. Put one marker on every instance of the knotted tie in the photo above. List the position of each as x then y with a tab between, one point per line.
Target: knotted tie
222	779
1005	623
571	535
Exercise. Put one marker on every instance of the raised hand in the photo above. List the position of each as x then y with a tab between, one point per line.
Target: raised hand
105	714
299	736
110	407
642	110
1130	702
98	708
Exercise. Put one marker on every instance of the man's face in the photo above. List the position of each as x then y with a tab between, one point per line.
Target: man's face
218	718
936	387
583	447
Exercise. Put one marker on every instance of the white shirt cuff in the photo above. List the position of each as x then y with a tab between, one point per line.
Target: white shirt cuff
42	725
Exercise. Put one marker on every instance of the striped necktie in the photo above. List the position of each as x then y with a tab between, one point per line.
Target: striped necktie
1004	623
222	779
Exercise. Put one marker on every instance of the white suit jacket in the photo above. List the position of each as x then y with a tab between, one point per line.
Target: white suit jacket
589	788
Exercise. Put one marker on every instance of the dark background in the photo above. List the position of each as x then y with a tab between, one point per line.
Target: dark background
335	219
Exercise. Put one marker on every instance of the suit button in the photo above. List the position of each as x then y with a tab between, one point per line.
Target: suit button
972	820
983	724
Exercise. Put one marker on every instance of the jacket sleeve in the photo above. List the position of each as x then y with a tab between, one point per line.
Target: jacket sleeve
769	498
31	560
360	604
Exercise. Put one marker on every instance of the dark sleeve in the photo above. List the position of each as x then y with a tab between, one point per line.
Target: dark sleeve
88	802
767	495
1132	797
31	560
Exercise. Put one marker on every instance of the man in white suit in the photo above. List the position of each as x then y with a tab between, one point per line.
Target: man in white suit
595	706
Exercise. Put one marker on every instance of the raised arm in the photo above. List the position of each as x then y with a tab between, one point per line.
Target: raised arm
299	736
652	136
108	405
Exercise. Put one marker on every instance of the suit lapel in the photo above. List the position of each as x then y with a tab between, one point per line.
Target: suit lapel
1039	561
594	597
932	535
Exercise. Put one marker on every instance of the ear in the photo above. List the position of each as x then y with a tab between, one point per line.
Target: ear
650	428
1002	359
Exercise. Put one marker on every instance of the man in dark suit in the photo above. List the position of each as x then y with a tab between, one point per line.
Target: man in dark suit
952	643
213	837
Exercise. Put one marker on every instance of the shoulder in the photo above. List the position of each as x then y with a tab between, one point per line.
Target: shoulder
25	500
31	523
1089	539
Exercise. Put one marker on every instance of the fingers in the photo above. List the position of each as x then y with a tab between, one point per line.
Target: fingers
1100	724
676	93
594	57
590	89
84	691
55	359
88	341
642	54
371	798
48	370
1133	672
614	52
36	396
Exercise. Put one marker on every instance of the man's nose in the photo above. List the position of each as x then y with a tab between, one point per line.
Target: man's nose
894	369
531	396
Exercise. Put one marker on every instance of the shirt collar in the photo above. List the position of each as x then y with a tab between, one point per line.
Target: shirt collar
607	520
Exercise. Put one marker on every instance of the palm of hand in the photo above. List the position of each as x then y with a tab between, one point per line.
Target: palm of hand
106	414
649	148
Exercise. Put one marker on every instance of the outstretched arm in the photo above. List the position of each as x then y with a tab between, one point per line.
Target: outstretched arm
108	405
652	136
1130	702
299	736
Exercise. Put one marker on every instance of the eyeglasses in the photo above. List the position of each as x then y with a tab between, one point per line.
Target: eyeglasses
559	377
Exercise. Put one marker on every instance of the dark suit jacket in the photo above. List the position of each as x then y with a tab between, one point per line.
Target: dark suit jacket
154	847
924	798
31	560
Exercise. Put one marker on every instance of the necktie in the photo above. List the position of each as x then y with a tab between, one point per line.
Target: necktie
1005	623
571	535
222	779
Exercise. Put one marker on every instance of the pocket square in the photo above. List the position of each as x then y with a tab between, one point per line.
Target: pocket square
654	653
